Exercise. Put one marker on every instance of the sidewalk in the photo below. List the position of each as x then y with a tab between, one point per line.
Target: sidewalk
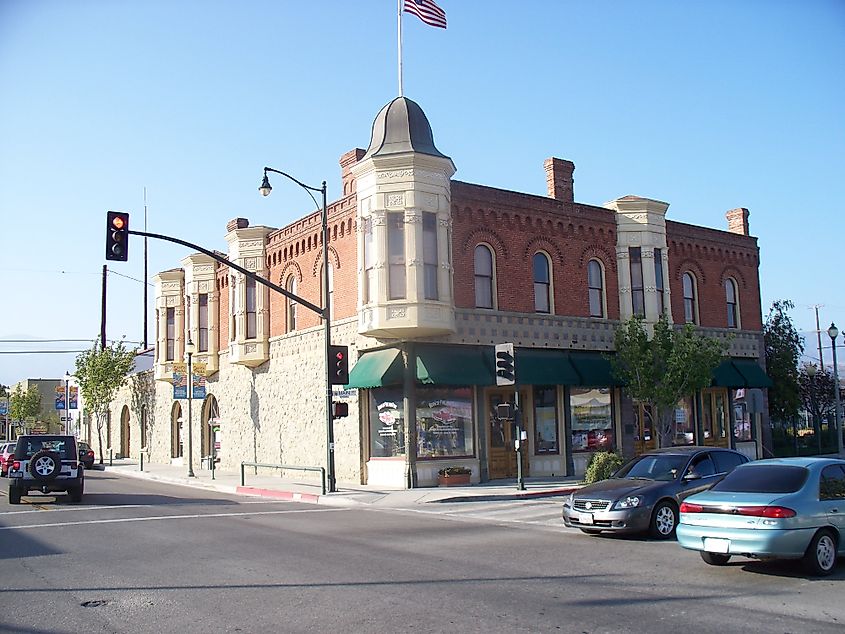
266	484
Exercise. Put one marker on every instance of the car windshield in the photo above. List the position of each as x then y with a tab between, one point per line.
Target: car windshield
773	478
27	447
654	467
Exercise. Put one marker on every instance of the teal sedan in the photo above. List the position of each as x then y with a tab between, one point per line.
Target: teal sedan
785	508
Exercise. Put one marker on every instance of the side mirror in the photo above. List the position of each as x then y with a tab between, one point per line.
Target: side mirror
691	475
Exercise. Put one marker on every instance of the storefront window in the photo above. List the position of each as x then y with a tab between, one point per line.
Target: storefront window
444	422
742	422
545	420
684	423
592	419
387	425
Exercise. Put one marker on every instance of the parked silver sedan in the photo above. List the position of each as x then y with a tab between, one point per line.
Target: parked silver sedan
780	508
644	495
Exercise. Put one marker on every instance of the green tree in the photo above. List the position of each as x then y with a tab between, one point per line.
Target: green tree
100	374
816	393
663	369
4	390
24	404
784	347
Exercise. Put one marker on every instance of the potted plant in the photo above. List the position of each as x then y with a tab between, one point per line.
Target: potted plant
453	476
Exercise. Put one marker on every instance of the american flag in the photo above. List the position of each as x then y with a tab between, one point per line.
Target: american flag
427	11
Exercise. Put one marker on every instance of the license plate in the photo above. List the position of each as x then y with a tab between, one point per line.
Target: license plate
16	474
585	518
716	545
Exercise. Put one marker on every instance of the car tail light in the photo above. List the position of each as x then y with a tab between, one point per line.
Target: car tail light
775	512
688	507
16	465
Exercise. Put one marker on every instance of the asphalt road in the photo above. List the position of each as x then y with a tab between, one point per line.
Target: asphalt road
143	556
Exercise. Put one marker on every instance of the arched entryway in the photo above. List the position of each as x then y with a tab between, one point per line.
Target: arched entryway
210	421
124	432
176	431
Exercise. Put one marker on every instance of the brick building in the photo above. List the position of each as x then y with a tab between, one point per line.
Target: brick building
426	275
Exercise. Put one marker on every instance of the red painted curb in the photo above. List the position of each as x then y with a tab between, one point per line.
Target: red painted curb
278	495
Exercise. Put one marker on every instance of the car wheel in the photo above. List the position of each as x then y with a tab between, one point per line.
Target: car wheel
664	520
14	495
714	559
45	465
820	557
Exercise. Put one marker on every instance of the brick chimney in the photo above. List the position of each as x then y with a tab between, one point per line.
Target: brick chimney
559	181
346	162
738	220
237	223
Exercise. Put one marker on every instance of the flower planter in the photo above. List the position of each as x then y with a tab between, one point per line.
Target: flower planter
460	480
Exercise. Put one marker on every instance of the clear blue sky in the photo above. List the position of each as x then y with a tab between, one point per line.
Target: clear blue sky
706	105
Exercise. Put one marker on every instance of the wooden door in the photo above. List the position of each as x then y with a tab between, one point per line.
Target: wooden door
501	435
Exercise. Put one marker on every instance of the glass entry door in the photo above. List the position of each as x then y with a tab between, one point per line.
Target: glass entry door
501	435
645	428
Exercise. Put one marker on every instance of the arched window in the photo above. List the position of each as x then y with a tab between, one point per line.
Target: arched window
595	284
690	304
291	304
483	277
731	299
542	283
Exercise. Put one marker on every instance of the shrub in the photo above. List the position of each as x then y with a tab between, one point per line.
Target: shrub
451	471
602	465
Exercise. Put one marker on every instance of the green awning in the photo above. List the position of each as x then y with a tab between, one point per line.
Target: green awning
753	373
726	375
543	367
593	370
376	369
453	365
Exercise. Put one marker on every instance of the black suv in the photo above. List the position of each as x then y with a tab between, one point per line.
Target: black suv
46	463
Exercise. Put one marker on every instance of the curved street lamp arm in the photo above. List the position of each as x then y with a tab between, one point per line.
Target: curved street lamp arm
307	188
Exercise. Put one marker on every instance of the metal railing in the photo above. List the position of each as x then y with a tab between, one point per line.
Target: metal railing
283	467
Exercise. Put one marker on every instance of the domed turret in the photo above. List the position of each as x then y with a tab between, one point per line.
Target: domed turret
401	126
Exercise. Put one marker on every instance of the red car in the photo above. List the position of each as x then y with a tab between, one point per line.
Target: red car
86	454
6	449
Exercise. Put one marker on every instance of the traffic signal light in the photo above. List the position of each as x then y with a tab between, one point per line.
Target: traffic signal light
505	368
339	365
340	409
117	236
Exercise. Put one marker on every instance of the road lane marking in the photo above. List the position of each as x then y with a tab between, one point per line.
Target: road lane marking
169	517
57	509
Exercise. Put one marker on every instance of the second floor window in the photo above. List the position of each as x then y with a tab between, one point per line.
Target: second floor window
542	283
689	299
430	255
658	281
250	309
732	304
595	284
396	255
370	287
233	309
203	325
171	334
637	290
291	304
483	277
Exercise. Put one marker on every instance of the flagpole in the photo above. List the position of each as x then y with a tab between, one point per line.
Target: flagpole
399	30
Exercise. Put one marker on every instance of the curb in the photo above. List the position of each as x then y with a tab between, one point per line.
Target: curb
278	495
506	496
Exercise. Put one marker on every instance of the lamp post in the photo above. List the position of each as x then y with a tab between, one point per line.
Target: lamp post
817	427
189	351
265	190
833	333
67	402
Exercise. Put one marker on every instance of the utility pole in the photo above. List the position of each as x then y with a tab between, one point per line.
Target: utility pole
103	312
819	334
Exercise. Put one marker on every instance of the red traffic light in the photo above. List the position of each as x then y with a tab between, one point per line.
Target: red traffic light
118	222
117	236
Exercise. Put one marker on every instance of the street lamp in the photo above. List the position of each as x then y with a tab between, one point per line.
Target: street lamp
833	333
265	190
190	348
67	402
